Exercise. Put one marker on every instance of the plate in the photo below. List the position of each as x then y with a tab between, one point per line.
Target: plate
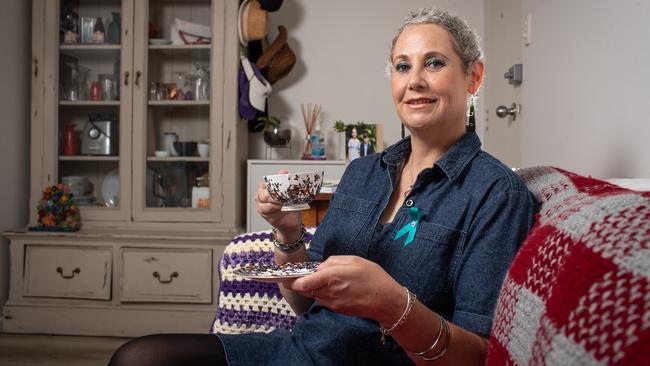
276	272
111	188
160	41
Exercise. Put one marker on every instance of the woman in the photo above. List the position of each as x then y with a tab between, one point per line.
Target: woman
416	241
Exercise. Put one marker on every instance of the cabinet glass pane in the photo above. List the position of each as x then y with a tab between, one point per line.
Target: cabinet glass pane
178	104
89	100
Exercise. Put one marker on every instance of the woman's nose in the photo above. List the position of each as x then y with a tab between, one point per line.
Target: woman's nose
416	82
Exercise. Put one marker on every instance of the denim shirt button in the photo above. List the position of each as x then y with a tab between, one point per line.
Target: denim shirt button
409	203
414	224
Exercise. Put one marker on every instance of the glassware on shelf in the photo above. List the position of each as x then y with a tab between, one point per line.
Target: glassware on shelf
107	83
95	91
70	26
114	29
87	26
98	31
170	138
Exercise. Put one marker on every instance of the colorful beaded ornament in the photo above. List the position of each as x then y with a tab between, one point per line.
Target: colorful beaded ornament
57	210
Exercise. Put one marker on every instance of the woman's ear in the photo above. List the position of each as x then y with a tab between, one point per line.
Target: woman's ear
475	77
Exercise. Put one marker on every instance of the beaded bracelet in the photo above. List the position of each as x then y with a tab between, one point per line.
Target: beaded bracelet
410	300
443	326
289	248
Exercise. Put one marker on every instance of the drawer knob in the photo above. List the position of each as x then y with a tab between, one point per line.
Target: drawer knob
171	277
74	271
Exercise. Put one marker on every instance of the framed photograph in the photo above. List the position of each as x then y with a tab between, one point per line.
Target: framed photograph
363	139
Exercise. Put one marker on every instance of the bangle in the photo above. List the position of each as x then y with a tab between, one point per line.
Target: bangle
410	300
443	326
289	248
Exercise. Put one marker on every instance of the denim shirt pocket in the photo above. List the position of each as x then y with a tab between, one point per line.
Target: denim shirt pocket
434	252
347	218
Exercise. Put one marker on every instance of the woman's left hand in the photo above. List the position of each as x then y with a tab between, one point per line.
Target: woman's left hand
354	286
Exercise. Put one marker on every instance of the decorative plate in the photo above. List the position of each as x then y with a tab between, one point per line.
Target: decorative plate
276	272
159	41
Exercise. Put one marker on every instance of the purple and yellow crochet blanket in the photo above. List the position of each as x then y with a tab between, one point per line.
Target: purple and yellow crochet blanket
246	306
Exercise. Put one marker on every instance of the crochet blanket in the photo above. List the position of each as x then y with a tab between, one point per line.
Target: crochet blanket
250	306
578	291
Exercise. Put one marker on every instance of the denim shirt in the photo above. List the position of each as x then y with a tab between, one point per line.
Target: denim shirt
475	214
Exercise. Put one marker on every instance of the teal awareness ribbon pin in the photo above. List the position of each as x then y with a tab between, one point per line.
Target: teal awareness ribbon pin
411	227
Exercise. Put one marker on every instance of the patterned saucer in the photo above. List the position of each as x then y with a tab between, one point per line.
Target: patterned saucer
276	272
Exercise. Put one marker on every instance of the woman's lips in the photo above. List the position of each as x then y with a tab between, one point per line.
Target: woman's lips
416	102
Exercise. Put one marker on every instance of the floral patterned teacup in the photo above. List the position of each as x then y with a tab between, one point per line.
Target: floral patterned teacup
294	190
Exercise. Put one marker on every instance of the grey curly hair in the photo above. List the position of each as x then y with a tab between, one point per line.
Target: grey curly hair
463	37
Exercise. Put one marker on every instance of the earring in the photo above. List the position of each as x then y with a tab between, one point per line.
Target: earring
471	115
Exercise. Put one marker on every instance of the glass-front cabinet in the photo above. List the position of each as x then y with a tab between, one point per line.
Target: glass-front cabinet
139	105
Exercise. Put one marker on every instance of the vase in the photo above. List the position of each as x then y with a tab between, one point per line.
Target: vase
114	29
70	141
277	136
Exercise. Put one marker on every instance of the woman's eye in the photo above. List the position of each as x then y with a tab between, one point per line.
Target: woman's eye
402	67
435	63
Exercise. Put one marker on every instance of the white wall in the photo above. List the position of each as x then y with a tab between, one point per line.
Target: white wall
15	42
342	50
586	87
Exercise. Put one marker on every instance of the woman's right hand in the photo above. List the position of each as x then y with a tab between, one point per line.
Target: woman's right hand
288	223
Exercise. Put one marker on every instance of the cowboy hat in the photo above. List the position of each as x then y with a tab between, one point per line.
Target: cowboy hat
278	59
271	5
251	22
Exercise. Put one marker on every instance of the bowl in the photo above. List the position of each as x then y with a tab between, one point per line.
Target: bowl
185	148
294	190
161	153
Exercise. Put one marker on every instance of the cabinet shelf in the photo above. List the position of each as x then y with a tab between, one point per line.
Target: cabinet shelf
189	159
89	47
172	103
92	103
180	47
88	158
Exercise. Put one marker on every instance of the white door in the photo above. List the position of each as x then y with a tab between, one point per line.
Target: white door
503	48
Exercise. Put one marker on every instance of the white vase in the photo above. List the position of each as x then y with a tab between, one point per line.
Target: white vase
342	146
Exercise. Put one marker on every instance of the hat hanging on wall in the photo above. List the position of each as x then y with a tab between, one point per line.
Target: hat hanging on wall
271	5
251	22
253	89
278	59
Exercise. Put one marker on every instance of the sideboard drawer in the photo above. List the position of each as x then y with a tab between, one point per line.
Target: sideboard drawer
68	271
166	275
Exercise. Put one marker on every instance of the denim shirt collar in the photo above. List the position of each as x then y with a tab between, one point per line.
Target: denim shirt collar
451	163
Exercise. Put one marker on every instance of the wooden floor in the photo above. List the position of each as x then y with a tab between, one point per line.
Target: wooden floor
45	350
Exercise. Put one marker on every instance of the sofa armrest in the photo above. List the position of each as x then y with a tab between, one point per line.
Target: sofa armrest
245	305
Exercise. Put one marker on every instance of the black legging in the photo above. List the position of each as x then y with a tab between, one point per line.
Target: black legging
171	350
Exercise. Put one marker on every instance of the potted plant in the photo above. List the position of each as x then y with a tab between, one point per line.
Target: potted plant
275	134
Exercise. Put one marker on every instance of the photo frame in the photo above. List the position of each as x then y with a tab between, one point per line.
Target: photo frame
363	139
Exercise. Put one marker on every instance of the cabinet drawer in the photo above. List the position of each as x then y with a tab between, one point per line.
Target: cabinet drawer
166	275
68	271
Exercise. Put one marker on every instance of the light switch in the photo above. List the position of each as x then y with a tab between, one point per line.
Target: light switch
527	33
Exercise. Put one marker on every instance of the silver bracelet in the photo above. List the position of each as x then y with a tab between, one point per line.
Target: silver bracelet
443	326
289	248
410	300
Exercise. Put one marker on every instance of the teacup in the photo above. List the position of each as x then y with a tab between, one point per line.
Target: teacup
294	190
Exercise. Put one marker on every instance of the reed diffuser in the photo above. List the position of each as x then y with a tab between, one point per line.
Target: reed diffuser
310	114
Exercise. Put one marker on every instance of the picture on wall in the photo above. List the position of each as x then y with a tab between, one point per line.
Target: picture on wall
363	139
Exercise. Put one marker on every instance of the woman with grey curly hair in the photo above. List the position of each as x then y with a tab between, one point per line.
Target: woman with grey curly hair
415	243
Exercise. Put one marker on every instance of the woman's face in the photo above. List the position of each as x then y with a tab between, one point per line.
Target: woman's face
354	133
429	85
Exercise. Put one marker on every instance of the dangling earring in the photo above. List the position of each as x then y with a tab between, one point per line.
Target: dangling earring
471	115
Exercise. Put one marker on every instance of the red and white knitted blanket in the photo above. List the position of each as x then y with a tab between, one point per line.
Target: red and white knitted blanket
578	291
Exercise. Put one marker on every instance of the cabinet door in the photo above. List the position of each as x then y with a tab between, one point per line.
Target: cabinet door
177	146
87	107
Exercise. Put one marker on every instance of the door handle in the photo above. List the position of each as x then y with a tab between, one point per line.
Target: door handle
137	78
503	111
